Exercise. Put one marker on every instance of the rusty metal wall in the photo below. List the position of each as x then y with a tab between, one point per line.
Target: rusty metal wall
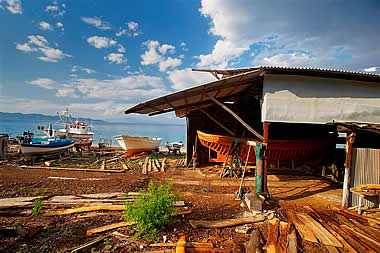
365	170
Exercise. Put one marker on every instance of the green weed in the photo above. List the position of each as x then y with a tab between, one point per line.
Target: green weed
153	210
36	192
36	211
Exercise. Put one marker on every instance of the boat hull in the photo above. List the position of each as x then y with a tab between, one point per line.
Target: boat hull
28	150
80	139
134	144
308	151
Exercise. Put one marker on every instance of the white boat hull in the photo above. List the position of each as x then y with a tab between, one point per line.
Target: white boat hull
34	150
133	144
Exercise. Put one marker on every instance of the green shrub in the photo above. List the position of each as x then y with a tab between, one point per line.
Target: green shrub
36	211
153	210
36	192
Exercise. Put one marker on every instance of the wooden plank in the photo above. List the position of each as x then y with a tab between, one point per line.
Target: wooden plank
346	245
374	232
319	231
303	230
84	209
145	166
188	244
370	220
75	169
181	244
353	236
271	246
87	244
236	117
226	222
255	242
108	227
282	240
292	241
368	239
149	165
163	165
154	167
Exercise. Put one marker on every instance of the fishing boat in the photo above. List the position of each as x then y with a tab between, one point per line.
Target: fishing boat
308	151
41	146
134	144
79	131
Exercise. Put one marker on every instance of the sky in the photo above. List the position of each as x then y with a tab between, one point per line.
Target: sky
100	57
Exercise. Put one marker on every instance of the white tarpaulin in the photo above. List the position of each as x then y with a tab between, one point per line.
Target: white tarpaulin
301	99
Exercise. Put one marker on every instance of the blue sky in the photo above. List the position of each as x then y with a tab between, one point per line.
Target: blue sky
99	57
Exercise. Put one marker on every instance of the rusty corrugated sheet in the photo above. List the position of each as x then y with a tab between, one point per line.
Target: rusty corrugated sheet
365	170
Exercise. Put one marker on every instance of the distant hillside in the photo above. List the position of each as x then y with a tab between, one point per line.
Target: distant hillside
36	116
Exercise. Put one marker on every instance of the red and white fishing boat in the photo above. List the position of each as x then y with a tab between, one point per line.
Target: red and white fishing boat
79	131
134	144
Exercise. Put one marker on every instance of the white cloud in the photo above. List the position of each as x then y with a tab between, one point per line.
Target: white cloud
76	68
155	54
169	63
121	49
45	26
185	78
14	6
270	28
115	58
62	90
56	10
97	22
101	42
131	30
183	44
289	60
38	43
371	69
60	25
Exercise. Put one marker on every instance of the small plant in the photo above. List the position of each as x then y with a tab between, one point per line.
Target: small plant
153	210
46	190
36	211
204	189
36	192
16	225
21	189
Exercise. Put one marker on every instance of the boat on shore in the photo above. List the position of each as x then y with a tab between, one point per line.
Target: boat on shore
30	146
134	144
307	151
79	131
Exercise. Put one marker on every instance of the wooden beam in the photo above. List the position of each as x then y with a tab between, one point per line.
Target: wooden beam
226	222
217	122
266	139
347	170
236	117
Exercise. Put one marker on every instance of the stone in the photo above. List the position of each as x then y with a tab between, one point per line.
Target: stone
254	202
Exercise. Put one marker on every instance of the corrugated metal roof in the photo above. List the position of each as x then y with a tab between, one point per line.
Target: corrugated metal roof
233	82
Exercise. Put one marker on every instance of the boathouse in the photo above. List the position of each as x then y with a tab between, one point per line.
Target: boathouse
285	104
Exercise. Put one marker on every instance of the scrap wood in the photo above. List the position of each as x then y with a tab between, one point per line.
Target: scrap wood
346	245
63	168
154	165
149	165
291	246
181	244
87	244
226	222
120	234
84	209
339	227
271	245
302	229
124	166
319	231
108	227
374	232
255	243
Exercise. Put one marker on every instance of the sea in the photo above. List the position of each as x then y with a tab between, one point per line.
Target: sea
102	129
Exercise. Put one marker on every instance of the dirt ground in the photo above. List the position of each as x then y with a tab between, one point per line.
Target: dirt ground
204	192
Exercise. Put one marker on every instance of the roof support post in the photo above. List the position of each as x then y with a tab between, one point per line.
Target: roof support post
347	170
266	139
217	122
236	117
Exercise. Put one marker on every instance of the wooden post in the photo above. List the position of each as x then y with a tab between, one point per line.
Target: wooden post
347	170
217	122
266	139
259	168
236	117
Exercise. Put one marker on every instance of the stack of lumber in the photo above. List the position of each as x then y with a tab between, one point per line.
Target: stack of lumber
153	165
180	163
337	230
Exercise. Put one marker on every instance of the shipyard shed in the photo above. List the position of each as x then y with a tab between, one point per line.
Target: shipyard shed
273	103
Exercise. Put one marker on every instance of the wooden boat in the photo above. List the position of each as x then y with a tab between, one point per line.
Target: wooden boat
43	146
309	151
134	144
